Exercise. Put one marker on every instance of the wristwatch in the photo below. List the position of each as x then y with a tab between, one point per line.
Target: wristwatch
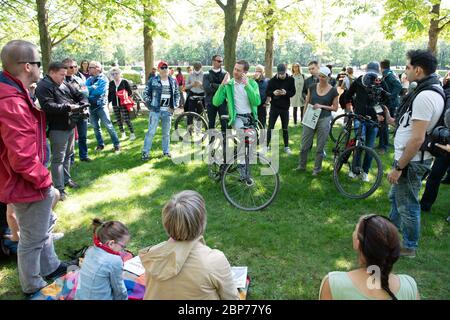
397	166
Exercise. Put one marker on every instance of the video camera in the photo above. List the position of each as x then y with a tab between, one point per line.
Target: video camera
377	95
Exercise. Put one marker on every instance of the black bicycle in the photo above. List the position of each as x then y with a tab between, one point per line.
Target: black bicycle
249	182
351	157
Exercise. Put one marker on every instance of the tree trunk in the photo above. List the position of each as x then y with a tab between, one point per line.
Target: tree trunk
433	32
230	38
148	42
268	57
44	35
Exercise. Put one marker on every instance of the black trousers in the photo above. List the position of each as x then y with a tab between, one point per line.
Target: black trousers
262	114
440	167
302	109
212	114
193	105
273	117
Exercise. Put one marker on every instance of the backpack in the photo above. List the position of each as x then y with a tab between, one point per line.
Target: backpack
406	106
429	143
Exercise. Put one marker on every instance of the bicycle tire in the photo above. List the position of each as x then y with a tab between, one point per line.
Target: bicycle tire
231	172
341	177
332	135
181	127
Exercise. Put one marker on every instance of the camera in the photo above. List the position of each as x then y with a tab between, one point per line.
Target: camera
377	95
79	114
441	135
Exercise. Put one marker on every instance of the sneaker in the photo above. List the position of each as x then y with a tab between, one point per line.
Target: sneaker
72	184
288	151
63	195
168	155
132	137
61	270
117	149
352	175
446	180
407	253
364	177
57	236
99	148
86	160
124	135
145	156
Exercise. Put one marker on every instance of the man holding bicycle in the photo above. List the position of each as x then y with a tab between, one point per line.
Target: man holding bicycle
242	96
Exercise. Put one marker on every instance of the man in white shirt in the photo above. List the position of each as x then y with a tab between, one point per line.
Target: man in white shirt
418	114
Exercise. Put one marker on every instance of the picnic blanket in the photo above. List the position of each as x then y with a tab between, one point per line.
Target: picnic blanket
65	287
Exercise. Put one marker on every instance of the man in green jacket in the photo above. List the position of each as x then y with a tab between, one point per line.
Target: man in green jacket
242	95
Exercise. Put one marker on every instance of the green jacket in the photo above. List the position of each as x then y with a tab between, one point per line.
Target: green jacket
226	92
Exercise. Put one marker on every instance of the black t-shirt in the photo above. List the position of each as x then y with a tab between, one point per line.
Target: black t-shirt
326	100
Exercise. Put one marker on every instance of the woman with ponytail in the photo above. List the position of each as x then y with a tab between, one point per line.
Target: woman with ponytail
102	268
378	245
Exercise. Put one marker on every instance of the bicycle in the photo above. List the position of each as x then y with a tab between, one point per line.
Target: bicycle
249	182
349	157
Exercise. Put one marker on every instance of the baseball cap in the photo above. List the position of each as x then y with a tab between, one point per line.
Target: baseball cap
162	63
325	71
281	68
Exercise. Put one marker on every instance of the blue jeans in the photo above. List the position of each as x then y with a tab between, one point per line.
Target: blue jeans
404	198
166	119
369	134
82	138
102	114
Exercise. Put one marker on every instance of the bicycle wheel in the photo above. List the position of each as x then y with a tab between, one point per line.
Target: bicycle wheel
190	127
336	126
349	176
256	190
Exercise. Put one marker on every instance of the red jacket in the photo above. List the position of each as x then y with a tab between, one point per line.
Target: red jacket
23	176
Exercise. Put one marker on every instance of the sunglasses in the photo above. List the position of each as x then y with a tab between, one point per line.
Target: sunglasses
73	67
219	61
164	68
38	63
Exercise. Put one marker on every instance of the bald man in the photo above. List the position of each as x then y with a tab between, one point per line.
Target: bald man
25	181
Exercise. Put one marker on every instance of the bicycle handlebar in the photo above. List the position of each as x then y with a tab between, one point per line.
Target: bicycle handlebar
362	118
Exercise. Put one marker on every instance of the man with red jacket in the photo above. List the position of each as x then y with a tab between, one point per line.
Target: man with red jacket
25	181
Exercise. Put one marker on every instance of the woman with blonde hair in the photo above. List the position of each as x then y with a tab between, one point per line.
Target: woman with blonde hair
298	100
184	267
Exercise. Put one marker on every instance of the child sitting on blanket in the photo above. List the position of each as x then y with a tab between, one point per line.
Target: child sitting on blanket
101	271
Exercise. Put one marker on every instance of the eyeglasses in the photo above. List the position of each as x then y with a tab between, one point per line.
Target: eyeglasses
38	63
122	245
92	67
219	61
73	67
164	68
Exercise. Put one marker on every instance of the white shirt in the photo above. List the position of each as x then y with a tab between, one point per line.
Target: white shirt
427	106
241	103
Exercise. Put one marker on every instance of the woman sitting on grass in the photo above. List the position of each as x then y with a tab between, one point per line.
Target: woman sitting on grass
376	240
102	268
183	267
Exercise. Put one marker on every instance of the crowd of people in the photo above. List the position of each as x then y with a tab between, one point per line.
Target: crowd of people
40	122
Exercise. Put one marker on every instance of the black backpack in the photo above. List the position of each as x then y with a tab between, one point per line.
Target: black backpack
429	143
427	84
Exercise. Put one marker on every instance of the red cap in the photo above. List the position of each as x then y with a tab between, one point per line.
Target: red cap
162	63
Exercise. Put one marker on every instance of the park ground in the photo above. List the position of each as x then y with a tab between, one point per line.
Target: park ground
288	248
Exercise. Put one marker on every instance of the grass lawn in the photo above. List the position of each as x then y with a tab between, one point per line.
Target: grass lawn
288	247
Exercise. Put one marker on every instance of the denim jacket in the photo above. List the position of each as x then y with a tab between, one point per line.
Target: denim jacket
153	91
101	277
98	91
